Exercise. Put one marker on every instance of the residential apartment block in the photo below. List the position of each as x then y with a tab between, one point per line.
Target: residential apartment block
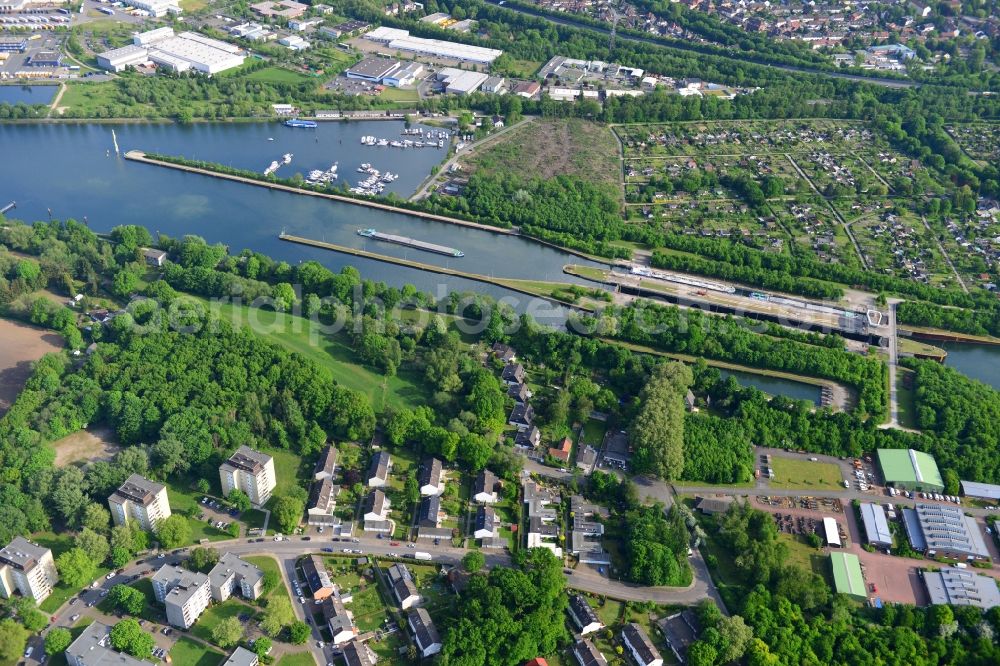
93	648
27	568
184	594
250	471
233	574
141	500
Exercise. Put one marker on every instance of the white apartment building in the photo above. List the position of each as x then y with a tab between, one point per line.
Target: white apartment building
141	500
233	574
250	471
183	593
27	568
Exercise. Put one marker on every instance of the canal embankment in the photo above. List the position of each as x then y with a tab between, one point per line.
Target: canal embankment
539	288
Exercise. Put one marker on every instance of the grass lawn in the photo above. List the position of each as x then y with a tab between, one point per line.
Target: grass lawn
277	75
387	649
803	555
287	466
268	564
609	613
399	95
805	474
332	352
593	432
523	69
297	659
192	653
369	611
214	616
61	593
588	272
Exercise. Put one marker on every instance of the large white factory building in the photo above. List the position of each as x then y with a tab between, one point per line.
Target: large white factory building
178	53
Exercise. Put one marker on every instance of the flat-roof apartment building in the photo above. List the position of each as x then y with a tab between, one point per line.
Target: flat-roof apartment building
250	471
27	568
141	500
233	574
183	593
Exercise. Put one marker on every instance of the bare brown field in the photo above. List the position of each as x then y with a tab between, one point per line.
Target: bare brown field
87	445
20	346
553	147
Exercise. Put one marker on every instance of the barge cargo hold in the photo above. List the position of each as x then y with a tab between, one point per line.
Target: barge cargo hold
410	242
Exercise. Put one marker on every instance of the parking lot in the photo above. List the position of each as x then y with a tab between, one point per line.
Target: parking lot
216	513
19	62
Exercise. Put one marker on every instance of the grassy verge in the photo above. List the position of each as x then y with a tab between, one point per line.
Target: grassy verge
906	399
297	659
796	473
267	565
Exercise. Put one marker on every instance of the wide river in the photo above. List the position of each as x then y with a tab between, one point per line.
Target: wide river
70	170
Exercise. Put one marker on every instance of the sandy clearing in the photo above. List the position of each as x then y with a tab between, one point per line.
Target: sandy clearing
20	346
87	445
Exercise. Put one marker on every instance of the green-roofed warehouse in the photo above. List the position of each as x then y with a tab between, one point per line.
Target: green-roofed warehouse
909	469
847	577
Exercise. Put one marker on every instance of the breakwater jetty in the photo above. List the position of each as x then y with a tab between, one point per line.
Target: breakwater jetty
140	156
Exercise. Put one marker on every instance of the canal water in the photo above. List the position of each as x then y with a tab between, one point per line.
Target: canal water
978	361
66	169
775	385
27	94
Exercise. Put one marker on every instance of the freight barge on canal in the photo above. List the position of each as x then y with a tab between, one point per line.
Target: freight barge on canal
410	242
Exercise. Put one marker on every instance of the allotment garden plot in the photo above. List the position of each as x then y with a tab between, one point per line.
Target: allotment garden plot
980	141
835	191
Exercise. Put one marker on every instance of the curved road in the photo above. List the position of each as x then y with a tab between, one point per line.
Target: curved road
288	551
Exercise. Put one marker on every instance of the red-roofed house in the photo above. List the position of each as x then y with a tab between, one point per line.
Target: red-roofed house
562	451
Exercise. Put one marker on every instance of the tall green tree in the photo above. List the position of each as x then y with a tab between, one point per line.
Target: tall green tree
657	433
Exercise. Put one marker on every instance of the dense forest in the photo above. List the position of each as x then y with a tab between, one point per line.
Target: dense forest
974	322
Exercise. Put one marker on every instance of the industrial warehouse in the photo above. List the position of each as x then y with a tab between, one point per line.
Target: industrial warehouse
876	525
944	531
909	469
180	53
400	40
961	587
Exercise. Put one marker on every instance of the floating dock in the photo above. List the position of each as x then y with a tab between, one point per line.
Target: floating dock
11	205
411	242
